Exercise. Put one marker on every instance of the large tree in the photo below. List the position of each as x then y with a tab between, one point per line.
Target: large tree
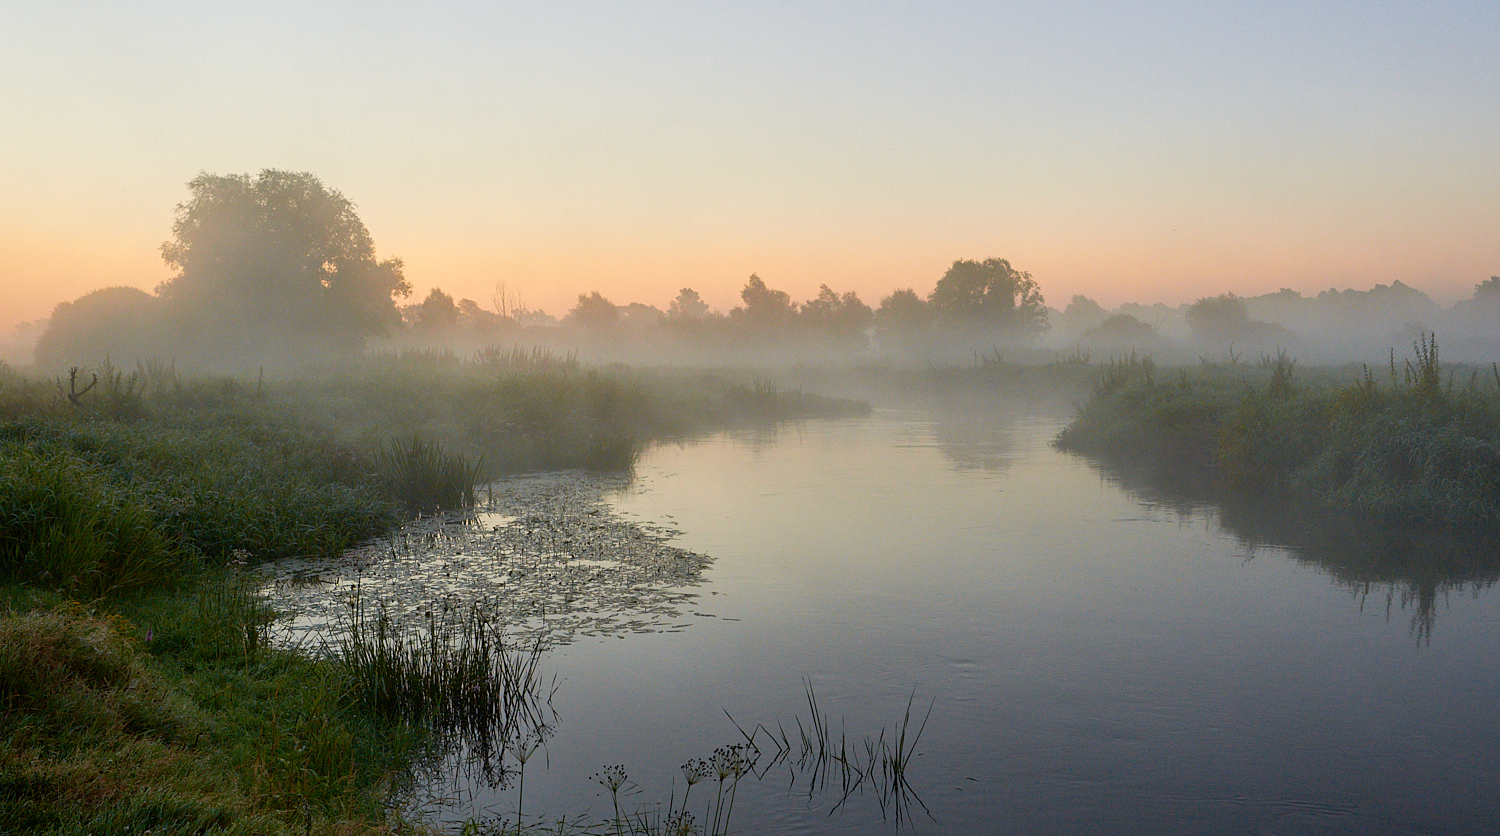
991	294
278	254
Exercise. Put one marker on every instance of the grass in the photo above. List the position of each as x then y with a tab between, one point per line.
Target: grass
1420	448
110	726
458	674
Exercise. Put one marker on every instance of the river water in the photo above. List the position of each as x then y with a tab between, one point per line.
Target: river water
1098	653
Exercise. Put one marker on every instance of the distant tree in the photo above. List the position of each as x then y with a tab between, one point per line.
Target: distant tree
1120	330
595	313
989	293
765	309
843	318
122	323
1226	318
1219	318
903	310
639	316
1083	313
280	255
1488	291
687	306
437	313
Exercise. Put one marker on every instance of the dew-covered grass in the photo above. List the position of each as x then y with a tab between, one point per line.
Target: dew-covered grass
1416	442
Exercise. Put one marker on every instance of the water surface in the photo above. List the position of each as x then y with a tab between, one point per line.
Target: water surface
1100	655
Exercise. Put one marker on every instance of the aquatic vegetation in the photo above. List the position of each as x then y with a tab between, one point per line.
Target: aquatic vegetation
819	757
1417	449
424	477
880	763
542	551
459	674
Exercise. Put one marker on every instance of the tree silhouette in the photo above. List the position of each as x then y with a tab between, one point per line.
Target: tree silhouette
765	309
989	293
688	306
842	318
279	255
595	313
437	313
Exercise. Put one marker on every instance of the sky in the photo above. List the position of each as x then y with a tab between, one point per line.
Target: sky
1149	152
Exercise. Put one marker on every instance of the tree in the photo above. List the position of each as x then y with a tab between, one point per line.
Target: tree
595	313
1219	318
278	255
765	309
989	293
903	310
117	322
842	317
1120	330
688	306
1083	313
1226	318
437	313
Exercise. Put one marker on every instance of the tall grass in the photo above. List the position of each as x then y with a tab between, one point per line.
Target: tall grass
63	525
424	477
1417	450
458	673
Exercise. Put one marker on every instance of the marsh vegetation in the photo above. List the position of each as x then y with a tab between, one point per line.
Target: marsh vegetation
1413	442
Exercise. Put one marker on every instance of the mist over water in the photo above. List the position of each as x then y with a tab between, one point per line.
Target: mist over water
1102	653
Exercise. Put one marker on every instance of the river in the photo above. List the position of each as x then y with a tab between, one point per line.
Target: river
1098	654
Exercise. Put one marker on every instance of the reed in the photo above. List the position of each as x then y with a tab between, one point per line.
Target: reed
457	673
426	478
1416	450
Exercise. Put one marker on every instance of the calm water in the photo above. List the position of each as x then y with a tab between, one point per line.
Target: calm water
1100	657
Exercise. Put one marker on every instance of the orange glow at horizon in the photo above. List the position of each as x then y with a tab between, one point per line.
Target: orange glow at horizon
550	274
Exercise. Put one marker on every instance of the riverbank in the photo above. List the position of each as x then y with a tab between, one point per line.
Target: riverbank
1412	443
138	686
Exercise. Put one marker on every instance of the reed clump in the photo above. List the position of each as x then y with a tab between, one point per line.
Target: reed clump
424	477
1417	446
457	673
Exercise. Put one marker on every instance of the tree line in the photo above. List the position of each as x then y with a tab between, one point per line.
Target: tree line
278	267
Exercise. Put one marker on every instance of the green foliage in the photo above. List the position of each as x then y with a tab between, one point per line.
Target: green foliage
425	478
991	293
64	525
109	726
257	488
1416	451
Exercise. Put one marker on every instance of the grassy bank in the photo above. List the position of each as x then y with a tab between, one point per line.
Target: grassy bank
138	692
137	688
1415	442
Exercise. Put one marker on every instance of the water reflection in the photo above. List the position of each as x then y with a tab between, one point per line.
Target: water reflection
1405	568
970	440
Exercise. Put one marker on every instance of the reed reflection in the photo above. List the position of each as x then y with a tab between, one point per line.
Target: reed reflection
1413	569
